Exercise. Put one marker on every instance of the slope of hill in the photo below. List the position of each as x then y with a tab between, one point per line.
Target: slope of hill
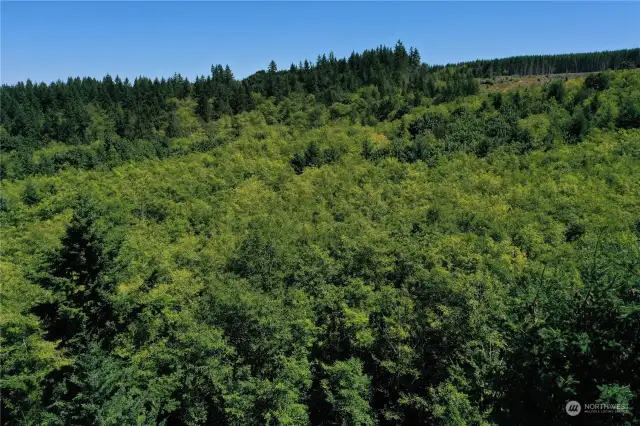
403	251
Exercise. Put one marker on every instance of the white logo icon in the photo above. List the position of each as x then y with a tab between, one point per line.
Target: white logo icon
573	408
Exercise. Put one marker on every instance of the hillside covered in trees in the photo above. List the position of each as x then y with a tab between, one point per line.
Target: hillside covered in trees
80	111
362	241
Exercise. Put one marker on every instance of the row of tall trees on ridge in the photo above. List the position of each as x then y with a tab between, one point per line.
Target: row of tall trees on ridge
62	111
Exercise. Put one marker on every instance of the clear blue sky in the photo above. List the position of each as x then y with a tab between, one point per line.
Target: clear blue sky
50	40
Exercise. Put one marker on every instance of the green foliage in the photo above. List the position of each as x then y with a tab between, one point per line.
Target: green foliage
630	112
326	245
556	90
313	156
348	391
549	64
30	195
599	81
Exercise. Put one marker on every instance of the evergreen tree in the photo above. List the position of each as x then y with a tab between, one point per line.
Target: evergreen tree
30	195
75	274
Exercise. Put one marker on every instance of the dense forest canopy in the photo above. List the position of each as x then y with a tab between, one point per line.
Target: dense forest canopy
360	241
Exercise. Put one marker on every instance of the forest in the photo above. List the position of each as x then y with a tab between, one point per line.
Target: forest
363	241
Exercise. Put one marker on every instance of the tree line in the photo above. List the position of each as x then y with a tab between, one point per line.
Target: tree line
556	64
36	113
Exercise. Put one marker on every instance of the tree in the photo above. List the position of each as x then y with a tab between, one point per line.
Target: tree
30	195
347	392
414	58
76	275
630	112
274	86
273	68
556	90
599	81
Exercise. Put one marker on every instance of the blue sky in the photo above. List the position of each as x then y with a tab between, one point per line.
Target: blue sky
46	41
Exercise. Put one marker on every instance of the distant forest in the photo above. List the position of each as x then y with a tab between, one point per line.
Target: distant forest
556	64
34	114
